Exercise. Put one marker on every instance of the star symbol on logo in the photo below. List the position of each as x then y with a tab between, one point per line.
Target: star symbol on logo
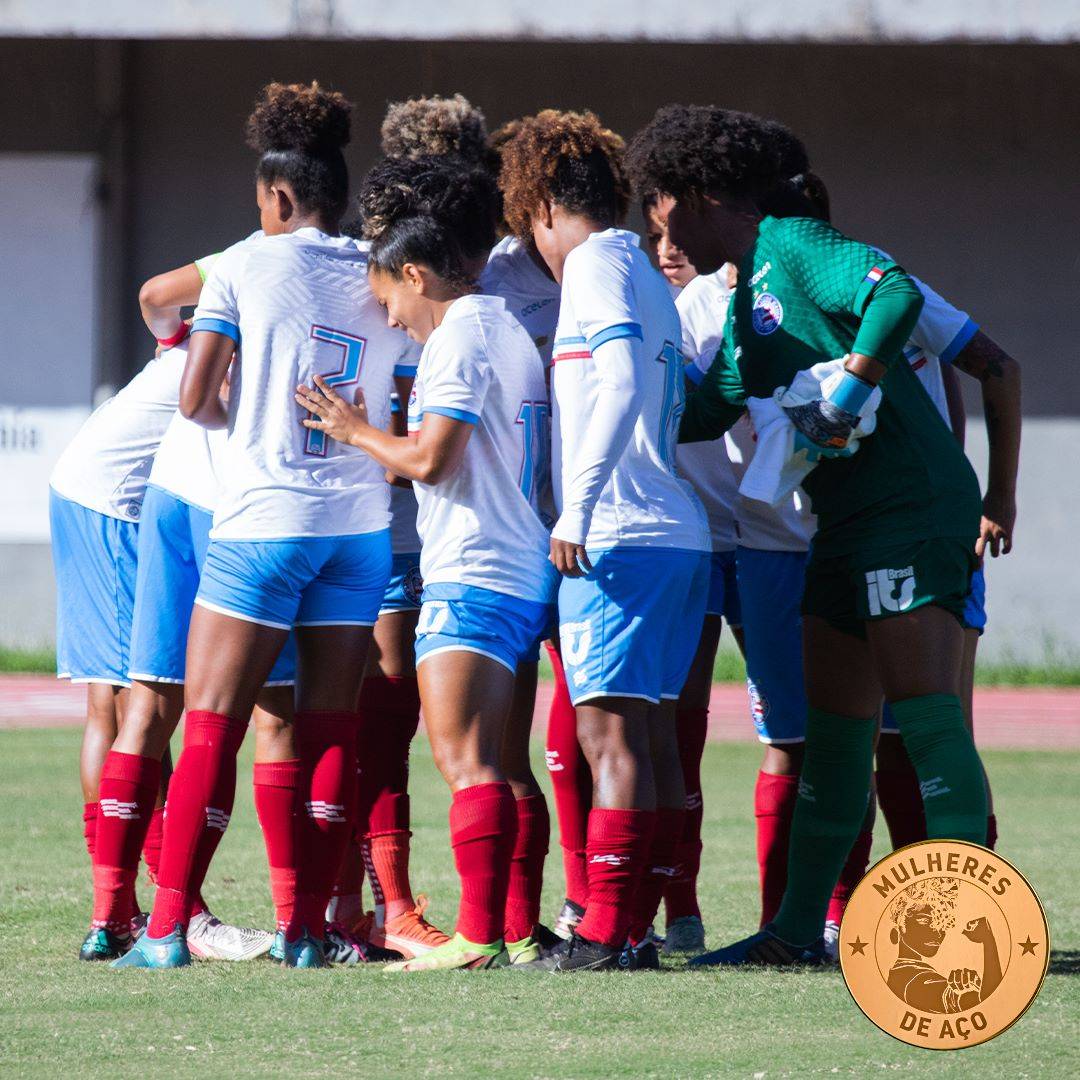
858	946
1028	946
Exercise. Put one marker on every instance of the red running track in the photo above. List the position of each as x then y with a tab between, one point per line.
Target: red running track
1016	718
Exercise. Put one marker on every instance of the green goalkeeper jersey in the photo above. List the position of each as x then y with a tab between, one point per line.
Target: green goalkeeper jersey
802	295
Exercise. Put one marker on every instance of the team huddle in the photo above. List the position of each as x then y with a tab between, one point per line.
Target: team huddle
411	436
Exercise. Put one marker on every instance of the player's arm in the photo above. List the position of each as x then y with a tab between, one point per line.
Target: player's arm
954	402
162	297
718	398
427	455
999	376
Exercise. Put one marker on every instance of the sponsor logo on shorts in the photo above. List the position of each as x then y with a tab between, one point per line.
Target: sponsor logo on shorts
413	585
928	789
944	944
433	616
890	590
759	705
575	638
767	314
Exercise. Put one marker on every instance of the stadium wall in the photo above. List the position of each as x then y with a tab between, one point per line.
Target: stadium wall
960	159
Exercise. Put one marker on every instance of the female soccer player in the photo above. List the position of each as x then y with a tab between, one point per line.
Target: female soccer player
300	534
897	521
631	538
477	455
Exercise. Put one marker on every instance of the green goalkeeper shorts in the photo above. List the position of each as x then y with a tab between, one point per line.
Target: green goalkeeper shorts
850	590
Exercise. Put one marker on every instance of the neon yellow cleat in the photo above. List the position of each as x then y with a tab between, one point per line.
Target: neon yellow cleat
455	954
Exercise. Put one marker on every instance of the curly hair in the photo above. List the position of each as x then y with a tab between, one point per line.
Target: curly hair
939	894
566	158
299	131
461	195
435	126
689	150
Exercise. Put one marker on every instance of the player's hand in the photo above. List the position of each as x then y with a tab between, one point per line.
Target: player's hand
964	981
571	560
331	413
823	424
978	930
998	522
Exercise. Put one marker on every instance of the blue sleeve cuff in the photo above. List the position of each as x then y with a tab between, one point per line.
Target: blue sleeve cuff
610	333
454	414
217	326
966	333
693	374
404	371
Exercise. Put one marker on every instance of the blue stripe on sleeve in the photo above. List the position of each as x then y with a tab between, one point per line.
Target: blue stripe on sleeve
405	371
454	414
966	333
694	374
610	333
217	326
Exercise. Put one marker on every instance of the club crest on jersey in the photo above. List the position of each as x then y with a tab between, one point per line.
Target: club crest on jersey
768	313
413	585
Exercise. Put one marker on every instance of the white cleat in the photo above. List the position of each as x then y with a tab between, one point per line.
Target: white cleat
831	937
209	938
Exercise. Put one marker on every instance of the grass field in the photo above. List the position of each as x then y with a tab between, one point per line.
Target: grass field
62	1018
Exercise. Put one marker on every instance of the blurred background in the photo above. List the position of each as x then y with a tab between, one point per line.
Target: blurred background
948	133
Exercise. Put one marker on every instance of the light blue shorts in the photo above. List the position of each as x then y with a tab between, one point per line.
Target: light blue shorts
304	581
94	557
631	627
771	588
465	618
406	585
724	588
173	540
974	619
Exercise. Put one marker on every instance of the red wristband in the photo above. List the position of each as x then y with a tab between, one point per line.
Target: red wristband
172	342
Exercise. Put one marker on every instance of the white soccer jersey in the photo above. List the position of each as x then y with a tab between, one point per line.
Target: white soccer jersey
105	466
531	295
188	463
481	525
297	305
609	291
702	307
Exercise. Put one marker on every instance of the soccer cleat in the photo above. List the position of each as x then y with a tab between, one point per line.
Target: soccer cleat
685	935
170	951
209	938
545	937
644	956
342	947
277	949
568	919
831	940
138	924
305	952
763	949
102	944
409	933
579	954
455	954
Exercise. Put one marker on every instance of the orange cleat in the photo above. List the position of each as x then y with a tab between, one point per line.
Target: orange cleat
408	933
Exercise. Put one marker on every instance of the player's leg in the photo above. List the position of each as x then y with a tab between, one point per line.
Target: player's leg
522	932
571	784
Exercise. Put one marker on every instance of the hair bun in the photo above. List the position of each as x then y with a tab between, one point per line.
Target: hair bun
296	116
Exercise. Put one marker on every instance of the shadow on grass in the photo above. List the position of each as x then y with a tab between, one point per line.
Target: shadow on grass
1064	962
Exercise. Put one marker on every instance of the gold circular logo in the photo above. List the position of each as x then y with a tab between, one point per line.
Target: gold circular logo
944	944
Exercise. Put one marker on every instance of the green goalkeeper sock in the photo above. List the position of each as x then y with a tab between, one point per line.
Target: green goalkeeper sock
948	766
834	789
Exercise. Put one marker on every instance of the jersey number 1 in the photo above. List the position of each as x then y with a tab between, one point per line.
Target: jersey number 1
534	418
347	375
673	405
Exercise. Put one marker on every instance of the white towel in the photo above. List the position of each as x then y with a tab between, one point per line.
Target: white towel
777	468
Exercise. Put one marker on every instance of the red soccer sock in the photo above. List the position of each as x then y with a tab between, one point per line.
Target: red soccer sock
276	786
126	795
483	832
389	716
89	827
661	868
327	744
618	846
680	893
857	861
901	805
151	849
527	867
774	805
201	795
991	831
571	782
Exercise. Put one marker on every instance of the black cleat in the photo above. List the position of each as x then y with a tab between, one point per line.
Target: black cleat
102	944
545	937
642	957
764	949
577	954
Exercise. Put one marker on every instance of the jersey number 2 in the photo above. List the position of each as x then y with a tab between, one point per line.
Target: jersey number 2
347	375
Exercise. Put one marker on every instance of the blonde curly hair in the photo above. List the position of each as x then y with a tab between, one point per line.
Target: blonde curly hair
566	158
437	126
939	894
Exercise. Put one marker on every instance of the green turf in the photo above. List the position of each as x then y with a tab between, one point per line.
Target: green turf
61	1017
